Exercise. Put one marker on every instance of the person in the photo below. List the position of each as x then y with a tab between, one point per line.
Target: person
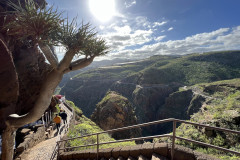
57	120
63	115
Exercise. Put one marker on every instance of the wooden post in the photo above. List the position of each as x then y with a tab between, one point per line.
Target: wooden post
173	139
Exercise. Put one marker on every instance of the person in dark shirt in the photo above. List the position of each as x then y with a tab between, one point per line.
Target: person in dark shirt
63	115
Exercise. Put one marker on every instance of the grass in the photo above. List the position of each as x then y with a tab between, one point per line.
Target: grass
86	127
219	111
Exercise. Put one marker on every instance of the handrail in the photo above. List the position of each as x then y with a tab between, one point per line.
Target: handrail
123	128
173	136
124	140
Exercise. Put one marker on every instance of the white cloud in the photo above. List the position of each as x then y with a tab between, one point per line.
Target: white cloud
101	27
159	38
124	37
156	24
122	30
142	21
130	3
221	39
171	28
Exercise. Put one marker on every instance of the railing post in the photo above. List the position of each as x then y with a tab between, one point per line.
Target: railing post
43	121
46	118
97	145
50	117
173	139
58	146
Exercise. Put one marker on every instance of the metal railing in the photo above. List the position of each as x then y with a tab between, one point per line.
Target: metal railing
173	136
68	107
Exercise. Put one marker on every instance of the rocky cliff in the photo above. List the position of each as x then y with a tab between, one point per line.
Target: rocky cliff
215	104
115	111
152	85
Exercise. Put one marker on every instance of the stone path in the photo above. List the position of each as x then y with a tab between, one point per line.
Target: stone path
44	150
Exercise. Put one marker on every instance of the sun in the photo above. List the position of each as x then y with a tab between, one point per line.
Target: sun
103	10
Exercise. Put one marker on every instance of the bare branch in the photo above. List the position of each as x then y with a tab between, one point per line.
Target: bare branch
79	64
52	59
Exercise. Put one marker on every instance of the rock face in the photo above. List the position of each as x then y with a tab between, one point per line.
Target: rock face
148	99
115	111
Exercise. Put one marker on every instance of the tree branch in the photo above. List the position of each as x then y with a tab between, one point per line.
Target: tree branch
52	59
41	103
65	62
79	64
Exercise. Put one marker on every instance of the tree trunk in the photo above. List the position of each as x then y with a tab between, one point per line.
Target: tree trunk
8	141
41	103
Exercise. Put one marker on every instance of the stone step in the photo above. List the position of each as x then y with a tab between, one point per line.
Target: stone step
131	158
120	158
158	157
141	157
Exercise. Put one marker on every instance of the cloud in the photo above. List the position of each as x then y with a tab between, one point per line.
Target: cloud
124	37
221	39
159	38
156	24
171	28
130	3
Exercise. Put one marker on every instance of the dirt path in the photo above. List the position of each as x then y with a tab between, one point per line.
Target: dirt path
44	150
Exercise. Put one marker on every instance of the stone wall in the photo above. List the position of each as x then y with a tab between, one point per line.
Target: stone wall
31	139
144	150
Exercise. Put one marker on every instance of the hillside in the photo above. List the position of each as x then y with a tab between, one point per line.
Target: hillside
216	104
149	83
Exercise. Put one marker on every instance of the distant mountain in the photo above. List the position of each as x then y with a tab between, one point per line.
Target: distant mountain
149	84
93	65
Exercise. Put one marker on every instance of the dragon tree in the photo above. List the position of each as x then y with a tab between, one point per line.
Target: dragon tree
29	68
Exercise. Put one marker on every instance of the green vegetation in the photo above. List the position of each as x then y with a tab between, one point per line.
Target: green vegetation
58	108
86	127
77	110
193	69
87	88
220	109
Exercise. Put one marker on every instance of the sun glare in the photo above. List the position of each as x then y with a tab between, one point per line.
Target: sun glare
103	10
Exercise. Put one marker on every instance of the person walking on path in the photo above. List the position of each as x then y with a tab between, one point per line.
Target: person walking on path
57	120
63	115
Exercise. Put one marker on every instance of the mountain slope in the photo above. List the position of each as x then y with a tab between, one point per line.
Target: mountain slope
219	107
149	83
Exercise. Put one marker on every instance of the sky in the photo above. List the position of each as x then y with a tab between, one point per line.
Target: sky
138	29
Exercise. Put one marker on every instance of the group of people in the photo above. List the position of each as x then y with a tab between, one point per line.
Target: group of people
59	117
